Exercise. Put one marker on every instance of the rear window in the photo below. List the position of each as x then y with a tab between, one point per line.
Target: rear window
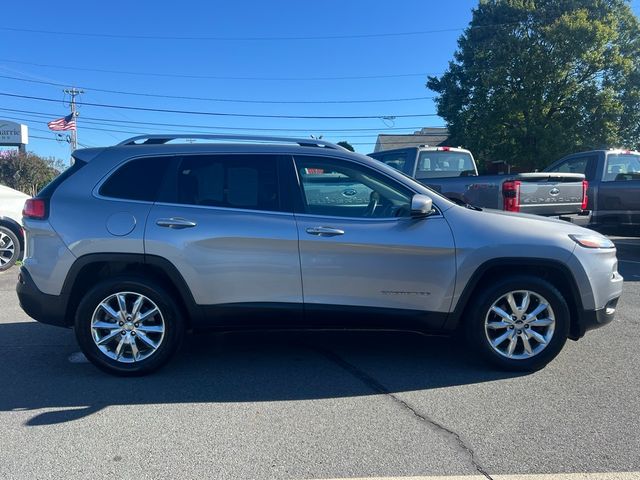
622	167
444	164
137	179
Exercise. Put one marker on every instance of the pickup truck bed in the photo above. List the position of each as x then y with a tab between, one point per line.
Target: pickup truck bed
540	193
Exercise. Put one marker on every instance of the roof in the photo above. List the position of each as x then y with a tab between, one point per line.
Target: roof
432	136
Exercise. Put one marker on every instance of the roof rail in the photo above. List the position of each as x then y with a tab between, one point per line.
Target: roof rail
162	139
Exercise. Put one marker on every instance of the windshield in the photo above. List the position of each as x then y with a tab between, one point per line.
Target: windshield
445	164
622	167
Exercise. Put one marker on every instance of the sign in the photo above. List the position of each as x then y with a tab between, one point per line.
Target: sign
13	134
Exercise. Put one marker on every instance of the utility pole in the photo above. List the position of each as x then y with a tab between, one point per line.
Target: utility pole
74	92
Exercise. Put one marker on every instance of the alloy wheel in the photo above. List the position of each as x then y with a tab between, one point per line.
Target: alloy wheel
127	327
519	324
7	249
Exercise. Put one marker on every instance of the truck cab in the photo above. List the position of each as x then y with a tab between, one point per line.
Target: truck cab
614	184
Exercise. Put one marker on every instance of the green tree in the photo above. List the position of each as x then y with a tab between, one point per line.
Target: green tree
346	145
28	172
533	80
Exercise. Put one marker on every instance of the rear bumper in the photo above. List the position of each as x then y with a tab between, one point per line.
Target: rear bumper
50	309
591	319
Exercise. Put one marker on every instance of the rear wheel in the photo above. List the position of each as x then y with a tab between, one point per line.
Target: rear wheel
9	248
128	326
520	323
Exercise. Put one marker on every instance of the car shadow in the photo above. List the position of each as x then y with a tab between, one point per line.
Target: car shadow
37	373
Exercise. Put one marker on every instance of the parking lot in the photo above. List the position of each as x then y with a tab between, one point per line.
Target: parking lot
320	405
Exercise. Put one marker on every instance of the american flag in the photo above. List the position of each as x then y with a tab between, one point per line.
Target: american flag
64	123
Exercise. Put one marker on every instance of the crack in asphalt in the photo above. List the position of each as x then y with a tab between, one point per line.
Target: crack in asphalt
378	387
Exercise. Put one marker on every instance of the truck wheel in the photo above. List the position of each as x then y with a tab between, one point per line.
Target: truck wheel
128	326
9	249
520	324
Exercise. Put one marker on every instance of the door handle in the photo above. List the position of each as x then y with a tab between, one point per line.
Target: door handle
175	223
325	231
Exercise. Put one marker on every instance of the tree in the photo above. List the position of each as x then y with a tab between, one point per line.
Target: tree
533	80
28	172
346	145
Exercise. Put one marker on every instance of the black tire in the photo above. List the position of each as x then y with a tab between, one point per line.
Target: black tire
479	309
9	260
174	325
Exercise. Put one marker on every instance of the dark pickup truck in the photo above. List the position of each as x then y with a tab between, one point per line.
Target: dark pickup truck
614	184
452	172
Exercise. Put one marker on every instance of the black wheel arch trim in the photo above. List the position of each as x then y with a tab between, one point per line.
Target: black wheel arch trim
165	265
455	317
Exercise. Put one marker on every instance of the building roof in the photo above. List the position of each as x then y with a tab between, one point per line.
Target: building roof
432	136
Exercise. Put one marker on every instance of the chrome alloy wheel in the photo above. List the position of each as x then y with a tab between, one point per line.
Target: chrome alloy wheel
127	327
7	249
520	324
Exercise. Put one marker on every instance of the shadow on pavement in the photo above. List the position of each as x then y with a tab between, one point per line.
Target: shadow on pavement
240	367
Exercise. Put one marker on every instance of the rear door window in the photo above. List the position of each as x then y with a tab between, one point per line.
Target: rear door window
228	181
584	165
395	160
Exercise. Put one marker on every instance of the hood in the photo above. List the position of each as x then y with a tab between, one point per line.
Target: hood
507	234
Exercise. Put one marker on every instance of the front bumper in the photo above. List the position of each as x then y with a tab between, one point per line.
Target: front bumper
50	309
591	319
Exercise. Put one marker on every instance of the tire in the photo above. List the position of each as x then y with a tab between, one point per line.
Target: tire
126	339
491	336
9	249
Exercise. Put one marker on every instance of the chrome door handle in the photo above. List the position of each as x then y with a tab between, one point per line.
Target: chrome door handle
325	231
176	223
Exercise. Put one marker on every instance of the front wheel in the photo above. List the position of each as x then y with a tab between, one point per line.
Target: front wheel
520	323
128	326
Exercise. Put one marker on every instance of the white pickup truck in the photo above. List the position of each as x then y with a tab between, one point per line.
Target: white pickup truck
11	234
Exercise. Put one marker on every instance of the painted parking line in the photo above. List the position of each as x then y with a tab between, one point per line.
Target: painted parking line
545	476
629	261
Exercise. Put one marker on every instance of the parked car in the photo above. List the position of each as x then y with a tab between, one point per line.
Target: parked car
453	172
11	235
614	184
137	242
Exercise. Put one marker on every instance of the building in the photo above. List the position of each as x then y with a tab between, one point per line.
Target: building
432	136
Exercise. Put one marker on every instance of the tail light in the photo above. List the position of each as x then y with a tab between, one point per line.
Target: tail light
511	194
35	208
585	185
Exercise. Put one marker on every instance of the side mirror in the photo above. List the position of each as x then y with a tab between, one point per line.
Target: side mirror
421	206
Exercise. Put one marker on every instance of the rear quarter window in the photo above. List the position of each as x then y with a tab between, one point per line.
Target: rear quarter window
138	179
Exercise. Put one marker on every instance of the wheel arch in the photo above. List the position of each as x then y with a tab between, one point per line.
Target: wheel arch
556	273
88	270
15	227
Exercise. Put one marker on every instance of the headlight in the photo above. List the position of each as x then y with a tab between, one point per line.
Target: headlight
592	241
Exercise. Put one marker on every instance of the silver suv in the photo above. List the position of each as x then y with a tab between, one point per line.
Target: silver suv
136	243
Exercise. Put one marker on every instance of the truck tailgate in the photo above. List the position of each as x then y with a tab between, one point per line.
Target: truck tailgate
551	194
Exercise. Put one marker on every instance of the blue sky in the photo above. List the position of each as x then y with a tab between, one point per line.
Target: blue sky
275	70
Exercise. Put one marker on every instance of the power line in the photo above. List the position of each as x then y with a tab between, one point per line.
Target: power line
226	114
228	100
250	39
159	124
216	77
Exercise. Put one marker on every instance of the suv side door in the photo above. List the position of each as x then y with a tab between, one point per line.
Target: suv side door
359	247
223	222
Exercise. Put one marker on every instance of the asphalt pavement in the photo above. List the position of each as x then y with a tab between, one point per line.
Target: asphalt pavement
321	405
